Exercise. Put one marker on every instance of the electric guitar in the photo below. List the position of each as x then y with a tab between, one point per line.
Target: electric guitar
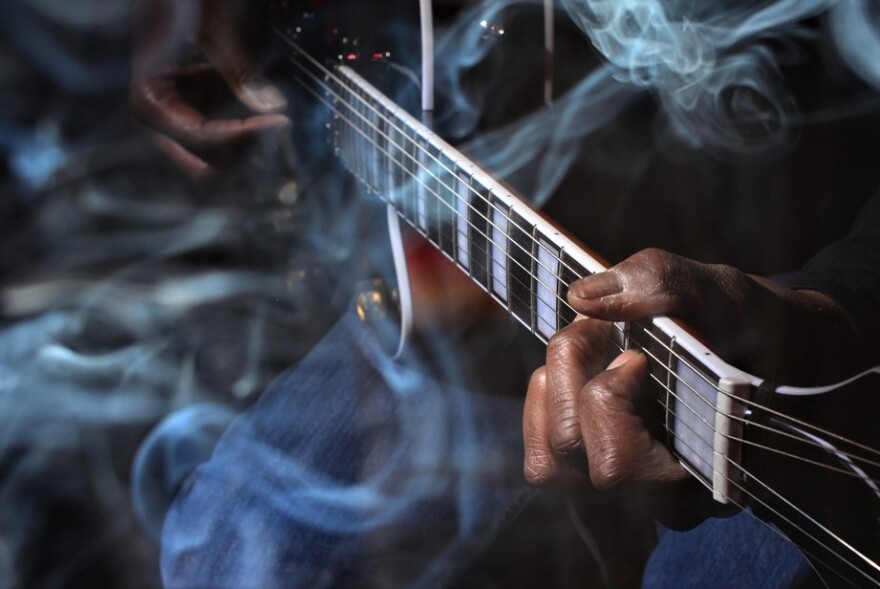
805	461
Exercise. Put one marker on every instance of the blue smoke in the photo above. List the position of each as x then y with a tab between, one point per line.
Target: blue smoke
855	26
711	66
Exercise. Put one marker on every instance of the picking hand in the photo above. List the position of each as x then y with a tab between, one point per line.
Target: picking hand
179	98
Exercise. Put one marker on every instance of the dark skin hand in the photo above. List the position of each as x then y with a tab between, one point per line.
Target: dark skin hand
582	418
188	59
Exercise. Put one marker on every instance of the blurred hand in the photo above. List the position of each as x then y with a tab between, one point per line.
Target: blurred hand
188	65
583	417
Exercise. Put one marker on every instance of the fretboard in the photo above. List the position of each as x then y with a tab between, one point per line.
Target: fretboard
515	255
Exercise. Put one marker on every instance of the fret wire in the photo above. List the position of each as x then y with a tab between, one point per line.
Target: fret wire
757	405
556	257
415	144
533	303
771	449
755	499
826	547
671	373
518	298
751	496
679	380
698	372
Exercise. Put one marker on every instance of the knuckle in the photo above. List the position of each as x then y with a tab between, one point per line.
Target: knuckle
731	281
565	437
538	378
667	276
608	467
561	344
538	468
599	390
567	345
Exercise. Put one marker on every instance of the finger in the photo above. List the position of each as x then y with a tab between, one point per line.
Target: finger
221	45
654	282
617	441
540	465
574	356
159	103
189	162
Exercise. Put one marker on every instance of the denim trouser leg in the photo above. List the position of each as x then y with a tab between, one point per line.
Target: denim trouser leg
728	553
351	470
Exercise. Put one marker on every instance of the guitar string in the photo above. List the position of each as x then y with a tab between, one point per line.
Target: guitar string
470	224
753	498
677	397
762	426
406	137
758	406
822	527
560	299
806	516
353	92
557	258
440	198
507	303
673	433
782	453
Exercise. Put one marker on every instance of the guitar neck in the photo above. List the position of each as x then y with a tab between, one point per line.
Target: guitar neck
523	261
526	264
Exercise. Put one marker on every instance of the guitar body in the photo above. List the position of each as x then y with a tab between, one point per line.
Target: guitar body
805	462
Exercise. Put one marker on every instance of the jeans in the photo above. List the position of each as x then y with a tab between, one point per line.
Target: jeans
353	470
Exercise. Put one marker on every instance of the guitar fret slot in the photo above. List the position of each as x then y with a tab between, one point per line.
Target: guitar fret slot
463	228
433	193
546	286
520	271
363	135
376	152
447	204
410	179
480	252
499	229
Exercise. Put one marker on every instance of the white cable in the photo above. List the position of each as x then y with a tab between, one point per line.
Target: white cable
427	18
805	391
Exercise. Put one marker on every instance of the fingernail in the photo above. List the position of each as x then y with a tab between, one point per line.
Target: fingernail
268	97
620	360
596	286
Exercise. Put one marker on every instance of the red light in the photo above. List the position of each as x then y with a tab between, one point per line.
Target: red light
378	56
351	57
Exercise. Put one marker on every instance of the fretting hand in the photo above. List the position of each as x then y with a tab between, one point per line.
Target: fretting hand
583	417
188	65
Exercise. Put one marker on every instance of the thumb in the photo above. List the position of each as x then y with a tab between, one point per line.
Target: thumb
749	320
222	46
711	298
